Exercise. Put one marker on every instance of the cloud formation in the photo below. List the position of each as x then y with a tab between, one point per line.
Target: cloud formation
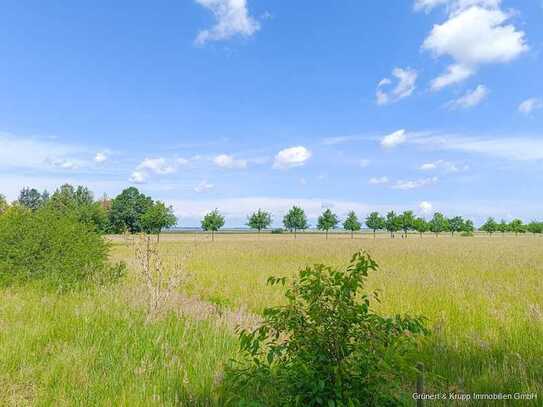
470	99
232	19
291	157
394	139
476	32
228	161
406	185
406	79
530	105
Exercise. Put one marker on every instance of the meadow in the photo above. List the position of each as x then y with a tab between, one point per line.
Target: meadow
481	295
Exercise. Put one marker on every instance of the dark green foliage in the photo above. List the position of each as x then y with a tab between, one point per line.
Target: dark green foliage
393	223
456	224
157	217
351	223
535	227
127	209
468	227
326	346
259	220
490	226
439	223
407	221
32	199
375	222
212	222
295	220
421	226
328	220
51	247
80	203
516	226
277	231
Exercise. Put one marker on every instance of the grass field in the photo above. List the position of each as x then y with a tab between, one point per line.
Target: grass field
482	297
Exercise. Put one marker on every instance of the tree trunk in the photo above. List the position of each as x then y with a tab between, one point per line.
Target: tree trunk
352	234
326	234
374	233
212	235
294	233
158	237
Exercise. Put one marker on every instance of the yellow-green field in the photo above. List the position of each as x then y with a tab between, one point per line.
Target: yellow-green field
482	297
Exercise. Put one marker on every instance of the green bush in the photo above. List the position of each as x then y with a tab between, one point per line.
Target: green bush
277	231
326	347
466	234
51	247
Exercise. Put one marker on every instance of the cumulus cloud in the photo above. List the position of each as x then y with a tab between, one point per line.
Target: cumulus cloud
232	19
405	185
100	157
394	139
529	105
291	157
470	99
378	180
425	207
476	32
203	186
228	161
151	166
406	79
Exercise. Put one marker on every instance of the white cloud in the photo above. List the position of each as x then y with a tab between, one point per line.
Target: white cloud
139	177
475	33
405	185
291	157
443	165
529	105
378	180
394	139
364	163
203	186
182	161
227	161
156	165
232	18
64	164
456	73
512	148
406	85
426	207
100	157
469	99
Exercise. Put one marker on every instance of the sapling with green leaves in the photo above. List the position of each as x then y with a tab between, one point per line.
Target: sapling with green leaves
328	220
158	217
517	226
407	220
490	226
393	223
351	223
375	222
295	220
259	220
438	224
456	224
421	226
212	222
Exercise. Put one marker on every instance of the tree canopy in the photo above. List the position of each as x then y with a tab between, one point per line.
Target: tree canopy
259	220
127	209
328	220
351	223
212	222
295	220
375	222
157	217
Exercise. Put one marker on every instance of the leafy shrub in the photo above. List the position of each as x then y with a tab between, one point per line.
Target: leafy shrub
52	247
326	346
466	234
277	231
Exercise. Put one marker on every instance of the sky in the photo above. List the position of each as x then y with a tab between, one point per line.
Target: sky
423	105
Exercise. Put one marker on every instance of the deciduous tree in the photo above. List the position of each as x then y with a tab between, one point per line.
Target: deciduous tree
490	226
439	224
212	222
127	209
295	220
158	217
259	220
351	223
375	222
328	220
456	224
393	223
516	226
407	220
421	226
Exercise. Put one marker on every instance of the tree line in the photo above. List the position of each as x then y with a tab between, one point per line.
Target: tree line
133	212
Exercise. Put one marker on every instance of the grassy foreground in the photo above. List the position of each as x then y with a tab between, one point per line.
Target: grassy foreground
482	297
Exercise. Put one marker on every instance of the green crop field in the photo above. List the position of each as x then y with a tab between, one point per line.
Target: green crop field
481	295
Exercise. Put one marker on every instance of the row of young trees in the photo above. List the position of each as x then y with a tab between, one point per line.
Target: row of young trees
133	212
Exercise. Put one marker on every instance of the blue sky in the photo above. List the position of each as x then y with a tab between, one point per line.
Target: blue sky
239	104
